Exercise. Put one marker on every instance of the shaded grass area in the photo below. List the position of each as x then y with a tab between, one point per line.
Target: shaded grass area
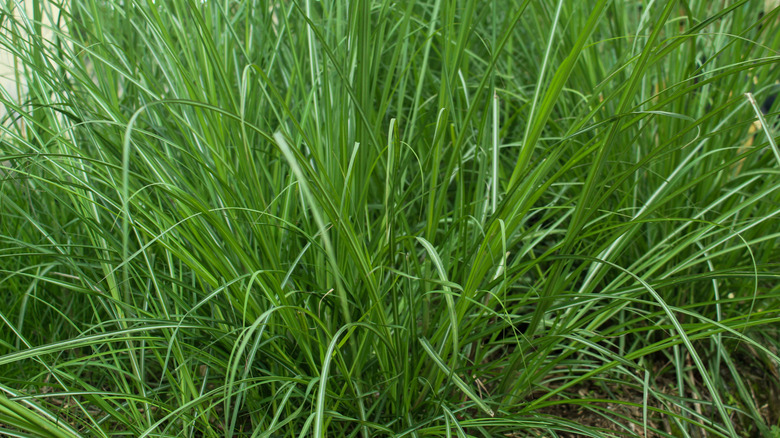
423	218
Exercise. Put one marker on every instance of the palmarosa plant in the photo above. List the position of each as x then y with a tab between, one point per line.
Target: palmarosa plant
293	218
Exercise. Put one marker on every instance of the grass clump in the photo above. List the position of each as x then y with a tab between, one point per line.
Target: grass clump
324	218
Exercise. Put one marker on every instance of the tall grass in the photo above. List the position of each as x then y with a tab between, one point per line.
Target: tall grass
445	218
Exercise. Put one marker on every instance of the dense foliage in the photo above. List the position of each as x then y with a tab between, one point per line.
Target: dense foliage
289	218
